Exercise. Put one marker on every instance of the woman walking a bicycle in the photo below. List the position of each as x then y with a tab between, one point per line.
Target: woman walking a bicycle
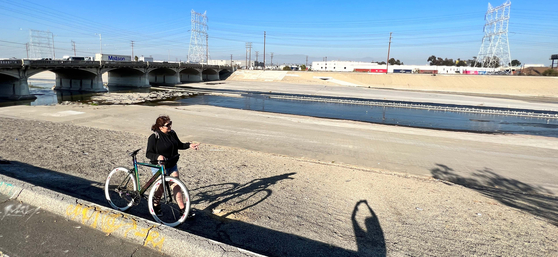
162	147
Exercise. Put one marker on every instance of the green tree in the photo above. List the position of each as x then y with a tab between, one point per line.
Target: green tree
286	68
392	61
136	58
303	67
432	60
550	72
515	63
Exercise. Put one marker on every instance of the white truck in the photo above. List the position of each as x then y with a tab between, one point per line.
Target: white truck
113	58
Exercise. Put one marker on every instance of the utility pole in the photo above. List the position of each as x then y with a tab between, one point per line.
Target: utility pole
53	49
27	49
248	55
74	47
306	65
246	61
231	61
389	47
257	53
100	42
264	53
133	51
272	59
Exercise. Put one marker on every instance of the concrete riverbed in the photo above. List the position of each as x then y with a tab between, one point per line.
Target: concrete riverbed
286	185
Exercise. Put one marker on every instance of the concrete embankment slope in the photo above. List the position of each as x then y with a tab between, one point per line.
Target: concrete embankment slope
475	84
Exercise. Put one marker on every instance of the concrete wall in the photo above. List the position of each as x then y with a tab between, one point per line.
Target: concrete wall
478	84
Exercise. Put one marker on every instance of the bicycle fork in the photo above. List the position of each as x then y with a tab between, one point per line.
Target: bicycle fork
167	194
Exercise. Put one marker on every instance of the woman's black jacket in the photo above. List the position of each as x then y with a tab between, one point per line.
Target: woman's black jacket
166	145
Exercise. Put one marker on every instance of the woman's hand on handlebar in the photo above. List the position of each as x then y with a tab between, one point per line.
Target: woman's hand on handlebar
161	159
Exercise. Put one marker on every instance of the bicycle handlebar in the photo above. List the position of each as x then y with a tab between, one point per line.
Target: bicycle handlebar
161	162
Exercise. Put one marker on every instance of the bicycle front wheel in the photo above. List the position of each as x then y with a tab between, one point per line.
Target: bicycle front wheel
169	206
120	189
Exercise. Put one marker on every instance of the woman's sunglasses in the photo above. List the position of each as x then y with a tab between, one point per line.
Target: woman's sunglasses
168	124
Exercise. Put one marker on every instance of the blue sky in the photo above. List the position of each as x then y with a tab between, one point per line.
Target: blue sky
338	30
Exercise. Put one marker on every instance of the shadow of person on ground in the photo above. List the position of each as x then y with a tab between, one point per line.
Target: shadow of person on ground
532	199
248	194
370	240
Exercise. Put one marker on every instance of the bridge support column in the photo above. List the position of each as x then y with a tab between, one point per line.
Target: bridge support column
127	78
164	78
210	77
184	77
15	88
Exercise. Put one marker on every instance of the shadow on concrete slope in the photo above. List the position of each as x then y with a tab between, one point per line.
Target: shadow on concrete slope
532	199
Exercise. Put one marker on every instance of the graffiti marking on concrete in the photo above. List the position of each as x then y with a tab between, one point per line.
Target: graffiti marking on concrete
110	222
19	210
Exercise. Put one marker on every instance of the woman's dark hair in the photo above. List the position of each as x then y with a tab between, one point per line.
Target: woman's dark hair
161	120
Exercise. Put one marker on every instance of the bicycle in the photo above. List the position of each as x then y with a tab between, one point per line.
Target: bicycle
123	190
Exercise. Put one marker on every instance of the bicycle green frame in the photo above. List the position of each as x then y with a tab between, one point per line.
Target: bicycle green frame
152	179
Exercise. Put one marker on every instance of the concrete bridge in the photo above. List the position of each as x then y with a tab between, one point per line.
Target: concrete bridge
87	75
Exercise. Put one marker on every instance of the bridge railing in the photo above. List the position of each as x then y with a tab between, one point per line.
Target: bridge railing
10	63
108	64
111	64
59	63
163	64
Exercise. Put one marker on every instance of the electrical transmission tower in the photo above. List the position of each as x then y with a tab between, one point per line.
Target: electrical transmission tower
495	48
248	55
198	51
41	44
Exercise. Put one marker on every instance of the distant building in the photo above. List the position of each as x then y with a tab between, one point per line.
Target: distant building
145	59
533	65
347	66
240	63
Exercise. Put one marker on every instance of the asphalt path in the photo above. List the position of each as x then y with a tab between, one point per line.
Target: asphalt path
27	230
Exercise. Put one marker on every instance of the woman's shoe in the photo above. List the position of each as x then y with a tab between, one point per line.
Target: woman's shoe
190	215
158	210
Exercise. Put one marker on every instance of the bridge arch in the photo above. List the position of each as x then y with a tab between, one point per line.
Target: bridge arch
163	76
190	75
210	75
224	74
127	77
77	79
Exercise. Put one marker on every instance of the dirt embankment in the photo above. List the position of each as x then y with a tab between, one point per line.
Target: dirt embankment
473	84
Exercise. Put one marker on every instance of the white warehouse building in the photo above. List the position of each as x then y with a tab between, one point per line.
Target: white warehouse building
381	68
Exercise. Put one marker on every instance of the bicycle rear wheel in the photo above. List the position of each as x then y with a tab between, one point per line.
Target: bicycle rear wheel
120	189
170	214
